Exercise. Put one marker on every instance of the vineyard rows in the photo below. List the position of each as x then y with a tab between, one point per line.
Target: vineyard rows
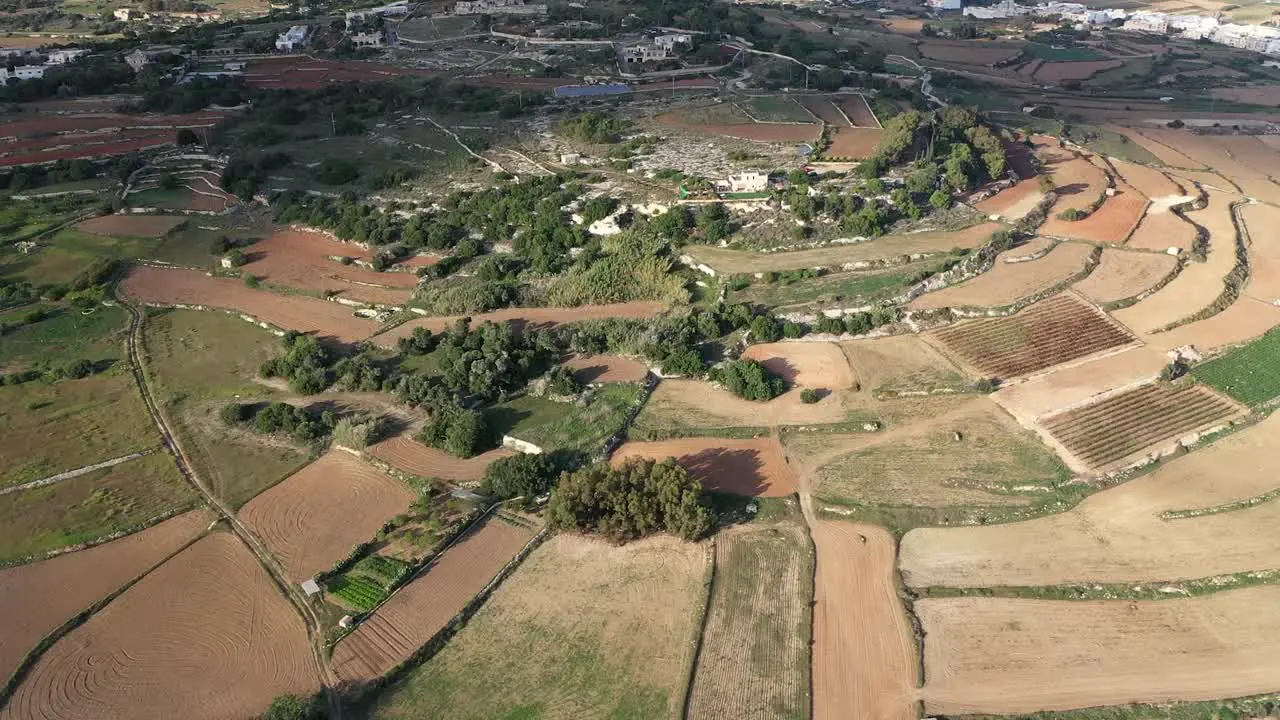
1112	429
1050	332
360	593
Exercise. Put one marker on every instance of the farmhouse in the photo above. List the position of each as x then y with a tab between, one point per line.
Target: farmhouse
499	7
23	72
293	38
670	40
643	53
62	57
368	39
748	182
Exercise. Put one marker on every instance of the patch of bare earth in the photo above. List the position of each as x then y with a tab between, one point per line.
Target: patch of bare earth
408	455
143	226
301	259
1007	283
754	467
589	369
1121	275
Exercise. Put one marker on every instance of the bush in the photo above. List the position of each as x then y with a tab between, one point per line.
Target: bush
1072	215
985	385
766	328
235	413
295	707
336	171
76	369
235	257
355	433
640	498
419	342
810	396
749	379
940	199
560	381
526	476
794	330
252	281
686	361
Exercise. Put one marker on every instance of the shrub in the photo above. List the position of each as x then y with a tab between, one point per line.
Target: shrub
252	281
526	476
235	257
76	369
235	413
640	498
355	433
794	330
1072	215
686	361
419	342
295	707
985	385
810	396
336	171
940	199
766	328
560	381
749	379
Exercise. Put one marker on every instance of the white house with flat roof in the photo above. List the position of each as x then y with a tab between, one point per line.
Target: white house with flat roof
292	39
62	57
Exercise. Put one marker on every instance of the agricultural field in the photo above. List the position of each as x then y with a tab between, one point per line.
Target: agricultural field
1078	182
774	110
1014	202
741	128
196	363
367	583
1080	383
570	427
754	657
1015	656
207	619
1249	374
537	317
857	110
1057	72
408	455
1050	332
852	288
40	596
424	605
1112	223
825	110
301	260
1264	252
1009	282
967	53
896	364
1122	275
613	628
1198	515
142	226
755	467
1160	230
311	520
588	369
853	143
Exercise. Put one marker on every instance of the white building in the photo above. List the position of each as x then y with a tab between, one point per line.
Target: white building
499	7
22	72
1147	22
643	53
999	11
62	57
946	4
368	39
396	8
292	39
749	182
670	40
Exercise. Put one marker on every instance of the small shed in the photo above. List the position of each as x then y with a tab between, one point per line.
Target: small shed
310	587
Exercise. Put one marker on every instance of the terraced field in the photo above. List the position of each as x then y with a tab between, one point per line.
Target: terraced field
1112	429
1050	332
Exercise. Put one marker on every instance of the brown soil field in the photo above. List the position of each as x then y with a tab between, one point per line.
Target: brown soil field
1199	283
1120	535
1015	656
1261	222
1245	160
759	132
1108	432
1050	332
312	519
856	107
143	226
1014	202
292	312
864	663
1111	223
538	317
1078	182
408	455
901	363
754	659
1056	72
966	53
613	629
1259	95
1165	153
606	369
1148	181
854	143
822	107
306	73
804	364
1245	320
418	610
301	260
725	260
1007	283
1076	385
1122	274
206	635
38	597
1162	230
755	467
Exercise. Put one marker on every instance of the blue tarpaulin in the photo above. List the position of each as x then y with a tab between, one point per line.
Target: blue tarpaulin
572	91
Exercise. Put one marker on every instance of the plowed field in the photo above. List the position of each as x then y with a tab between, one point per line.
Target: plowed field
863	654
427	603
856	107
1262	222
814	365
1013	202
1013	656
309	73
1056	72
536	317
312	519
1079	183
408	455
301	260
1122	535
607	368
754	660
1049	332
293	312
1122	275
1122	425
1161	231
753	467
1111	223
1244	159
1007	283
38	597
854	143
206	635
144	226
759	132
823	108
966	53
1148	181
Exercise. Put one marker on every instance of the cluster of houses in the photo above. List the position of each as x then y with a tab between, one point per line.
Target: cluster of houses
34	70
661	47
497	7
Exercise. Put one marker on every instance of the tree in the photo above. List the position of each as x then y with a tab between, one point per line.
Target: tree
419	342
766	328
940	199
526	476
294	707
810	396
187	136
749	379
560	381
639	498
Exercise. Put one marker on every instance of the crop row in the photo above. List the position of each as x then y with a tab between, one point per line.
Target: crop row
1250	374
384	571
358	592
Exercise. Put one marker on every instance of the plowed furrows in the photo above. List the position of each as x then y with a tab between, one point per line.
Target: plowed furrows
1011	331
1055	349
378	634
1112	429
1108	409
1118	442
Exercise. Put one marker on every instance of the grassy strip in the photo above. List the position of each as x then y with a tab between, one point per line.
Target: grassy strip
1232	709
704	610
1115	591
1249	374
1223	508
736	433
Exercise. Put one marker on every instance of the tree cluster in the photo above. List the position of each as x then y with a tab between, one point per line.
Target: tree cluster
748	379
639	498
527	476
305	364
594	127
271	418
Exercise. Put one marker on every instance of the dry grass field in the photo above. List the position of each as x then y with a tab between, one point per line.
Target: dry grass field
38	597
611	629
1244	159
1078	182
1075	385
1121	275
901	363
1056	72
1148	181
969	53
753	467
1120	535
754	660
312	519
207	620
1166	153
1261	222
681	404
419	609
521	317
1007	283
864	663
727	260
1245	320
1013	656
408	455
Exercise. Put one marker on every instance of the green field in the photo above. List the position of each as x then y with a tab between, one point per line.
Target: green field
775	109
199	361
1250	374
851	288
1068	54
67	333
367	582
91	506
554	425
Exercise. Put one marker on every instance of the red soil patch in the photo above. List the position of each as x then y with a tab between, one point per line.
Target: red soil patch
312	519
1060	71
79	152
1010	282
760	132
525	317
1261	95
859	111
38	597
292	312
44	125
607	368
309	73
206	635
301	259
756	468
426	604
966	53
1078	182
1122	275
1148	181
1012	202
854	143
822	107
143	226
408	455
1110	223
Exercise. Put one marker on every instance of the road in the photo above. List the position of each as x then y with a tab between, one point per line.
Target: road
293	593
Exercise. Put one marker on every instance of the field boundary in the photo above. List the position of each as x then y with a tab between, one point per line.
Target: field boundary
977	311
77	472
700	631
132	529
1086	592
35	653
1123	303
1244	504
1234	281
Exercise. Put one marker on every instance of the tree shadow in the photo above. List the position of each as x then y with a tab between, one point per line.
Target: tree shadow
589	374
728	471
502	420
1072	189
783	368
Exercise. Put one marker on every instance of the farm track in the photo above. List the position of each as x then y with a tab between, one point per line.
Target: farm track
187	469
